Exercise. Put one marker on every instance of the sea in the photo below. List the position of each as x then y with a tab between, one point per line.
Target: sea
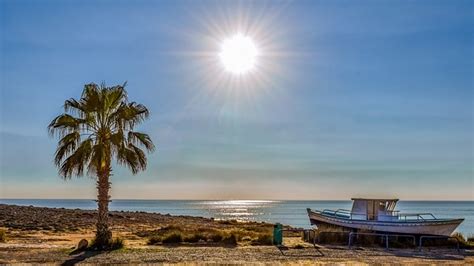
275	211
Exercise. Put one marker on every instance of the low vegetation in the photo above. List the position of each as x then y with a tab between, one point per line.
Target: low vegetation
176	234
330	235
194	238
299	246
263	239
114	244
470	239
3	236
153	240
229	240
172	238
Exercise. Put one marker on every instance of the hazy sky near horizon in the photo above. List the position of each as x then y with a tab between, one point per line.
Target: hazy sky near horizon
350	98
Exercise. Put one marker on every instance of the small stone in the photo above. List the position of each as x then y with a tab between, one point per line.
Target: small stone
82	244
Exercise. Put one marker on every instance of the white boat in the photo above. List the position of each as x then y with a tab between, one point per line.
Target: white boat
380	215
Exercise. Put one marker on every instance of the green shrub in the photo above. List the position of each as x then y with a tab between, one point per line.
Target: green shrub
216	237
331	237
401	242
459	237
153	240
443	242
230	240
3	236
114	244
117	243
240	233
265	239
464	242
470	239
193	238
173	238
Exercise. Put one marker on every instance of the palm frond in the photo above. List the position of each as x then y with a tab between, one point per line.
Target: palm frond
91	97
128	157
74	106
74	164
66	146
141	139
115	96
140	154
65	124
128	115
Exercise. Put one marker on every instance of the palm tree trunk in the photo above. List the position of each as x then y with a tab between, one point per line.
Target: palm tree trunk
103	235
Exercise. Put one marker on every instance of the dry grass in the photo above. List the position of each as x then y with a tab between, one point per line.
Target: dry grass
176	234
114	244
229	240
3	236
194	238
470	239
263	239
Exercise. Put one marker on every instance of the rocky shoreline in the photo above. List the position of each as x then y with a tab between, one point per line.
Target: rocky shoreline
30	218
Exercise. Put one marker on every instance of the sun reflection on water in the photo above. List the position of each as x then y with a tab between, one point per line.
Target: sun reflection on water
245	210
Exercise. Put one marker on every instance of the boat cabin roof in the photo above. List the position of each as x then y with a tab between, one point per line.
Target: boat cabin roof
375	199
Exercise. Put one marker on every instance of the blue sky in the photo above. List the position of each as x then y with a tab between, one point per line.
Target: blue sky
351	98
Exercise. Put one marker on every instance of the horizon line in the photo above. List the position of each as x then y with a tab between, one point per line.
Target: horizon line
92	199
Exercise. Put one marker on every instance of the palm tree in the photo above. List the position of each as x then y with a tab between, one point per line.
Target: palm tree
92	132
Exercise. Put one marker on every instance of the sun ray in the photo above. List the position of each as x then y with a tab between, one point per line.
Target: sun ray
260	81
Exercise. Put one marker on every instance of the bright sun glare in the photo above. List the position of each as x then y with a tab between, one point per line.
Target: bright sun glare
238	54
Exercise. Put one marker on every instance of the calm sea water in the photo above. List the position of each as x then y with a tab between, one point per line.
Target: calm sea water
286	212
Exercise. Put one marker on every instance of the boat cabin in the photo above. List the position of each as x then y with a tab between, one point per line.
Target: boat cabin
374	209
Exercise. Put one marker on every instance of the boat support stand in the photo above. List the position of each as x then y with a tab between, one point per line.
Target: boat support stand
384	237
439	237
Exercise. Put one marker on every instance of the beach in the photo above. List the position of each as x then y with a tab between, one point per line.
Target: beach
290	212
49	235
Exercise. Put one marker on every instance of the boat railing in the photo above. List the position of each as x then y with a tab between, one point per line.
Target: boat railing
417	216
400	216
336	212
342	212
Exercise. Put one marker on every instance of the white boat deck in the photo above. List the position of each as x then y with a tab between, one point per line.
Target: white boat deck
395	217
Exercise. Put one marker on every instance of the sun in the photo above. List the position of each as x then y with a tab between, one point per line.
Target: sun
238	54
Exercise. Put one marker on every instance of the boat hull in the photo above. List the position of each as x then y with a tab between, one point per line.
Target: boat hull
444	227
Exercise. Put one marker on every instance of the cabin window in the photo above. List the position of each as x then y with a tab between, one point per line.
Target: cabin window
381	206
371	210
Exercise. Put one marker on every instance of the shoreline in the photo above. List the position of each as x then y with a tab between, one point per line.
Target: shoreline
48	235
292	213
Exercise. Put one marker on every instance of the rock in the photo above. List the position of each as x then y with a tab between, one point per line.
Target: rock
82	244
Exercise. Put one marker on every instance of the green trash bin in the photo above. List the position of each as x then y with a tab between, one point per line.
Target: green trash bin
277	234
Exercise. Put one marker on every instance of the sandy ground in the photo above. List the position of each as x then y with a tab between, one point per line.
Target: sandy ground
10	253
44	235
